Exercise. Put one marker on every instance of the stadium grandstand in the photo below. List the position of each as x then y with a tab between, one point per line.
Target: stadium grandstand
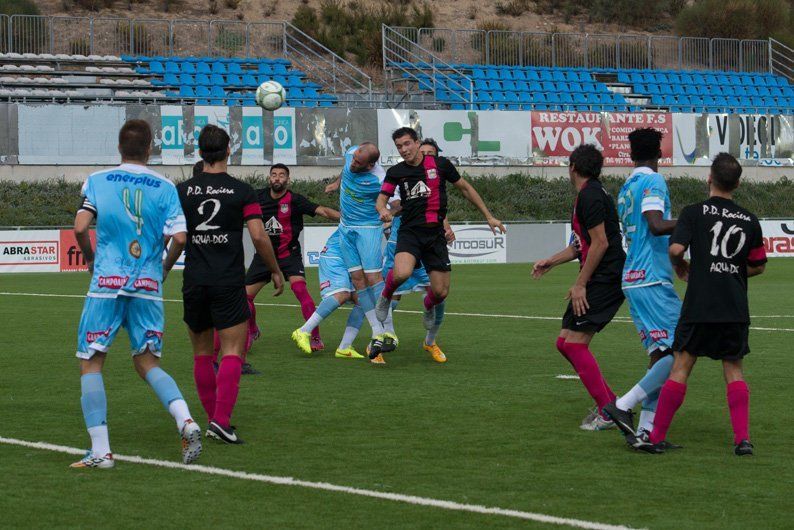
480	70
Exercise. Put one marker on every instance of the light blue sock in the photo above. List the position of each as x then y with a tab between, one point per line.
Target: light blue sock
376	290
440	312
326	307
354	323
649	404
163	385
94	400
365	300
656	376
648	412
433	332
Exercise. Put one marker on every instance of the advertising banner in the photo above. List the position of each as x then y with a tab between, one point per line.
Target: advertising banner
778	238
30	251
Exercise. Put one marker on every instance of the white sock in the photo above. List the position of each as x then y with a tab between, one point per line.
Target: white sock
646	420
178	409
312	323
630	399
100	441
377	327
388	324
348	338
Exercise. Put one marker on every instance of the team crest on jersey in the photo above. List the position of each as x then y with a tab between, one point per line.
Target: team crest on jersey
135	249
432	174
420	190
273	227
284	208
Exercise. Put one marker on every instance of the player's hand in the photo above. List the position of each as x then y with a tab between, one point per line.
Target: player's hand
386	217
278	283
387	229
540	268
578	297
449	235
682	270
332	187
495	224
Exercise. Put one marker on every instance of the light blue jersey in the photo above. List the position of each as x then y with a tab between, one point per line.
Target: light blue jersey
646	255
358	194
134	207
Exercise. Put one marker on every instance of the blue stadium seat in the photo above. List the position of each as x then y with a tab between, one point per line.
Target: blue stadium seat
186	92
217	80
203	68
218	67
203	80
249	80
508	85
202	92
187	79
235	68
549	86
217	92
172	68
280	69
234	80
187	67
532	75
155	67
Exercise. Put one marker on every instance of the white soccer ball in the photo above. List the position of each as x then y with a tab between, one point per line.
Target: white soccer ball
270	95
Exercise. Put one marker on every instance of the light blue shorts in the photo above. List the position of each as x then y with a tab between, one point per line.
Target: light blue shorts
334	277
102	318
655	310
362	248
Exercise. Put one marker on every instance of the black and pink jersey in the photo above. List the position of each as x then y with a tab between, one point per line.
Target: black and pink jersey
216	206
594	206
423	189
283	219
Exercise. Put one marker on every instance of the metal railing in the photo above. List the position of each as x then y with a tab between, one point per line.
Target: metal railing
781	59
518	48
435	74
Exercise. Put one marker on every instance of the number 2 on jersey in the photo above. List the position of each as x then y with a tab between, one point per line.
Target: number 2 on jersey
216	207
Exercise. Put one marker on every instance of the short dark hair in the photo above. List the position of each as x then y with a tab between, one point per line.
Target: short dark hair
279	166
213	143
646	144
587	161
135	137
725	172
403	131
432	143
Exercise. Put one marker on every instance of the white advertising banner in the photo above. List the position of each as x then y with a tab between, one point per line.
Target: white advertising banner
779	238
172	136
314	238
30	251
285	149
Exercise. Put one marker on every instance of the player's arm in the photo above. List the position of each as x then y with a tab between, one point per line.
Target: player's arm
657	224
82	234
681	266
263	246
449	234
178	242
473	197
598	247
755	270
543	266
328	213
333	185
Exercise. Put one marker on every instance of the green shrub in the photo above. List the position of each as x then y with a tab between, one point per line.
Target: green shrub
735	19
512	8
511	198
32	36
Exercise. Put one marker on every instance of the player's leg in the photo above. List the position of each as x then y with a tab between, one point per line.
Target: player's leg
354	322
204	367
256	277
330	303
353	262
577	350
301	292
738	394
99	323
671	397
145	321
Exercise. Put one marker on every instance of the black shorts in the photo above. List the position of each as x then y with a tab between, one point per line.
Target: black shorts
214	306
604	299
258	272
720	341
427	244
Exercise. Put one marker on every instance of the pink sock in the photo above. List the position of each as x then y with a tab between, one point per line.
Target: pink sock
670	399
739	405
253	329
390	286
560	344
306	302
586	366
204	375
431	300
228	385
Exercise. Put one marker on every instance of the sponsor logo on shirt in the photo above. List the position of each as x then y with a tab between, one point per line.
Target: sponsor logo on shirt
152	333
147	284
420	190
634	276
209	239
112	282
92	336
658	334
146	181
325	284
273	227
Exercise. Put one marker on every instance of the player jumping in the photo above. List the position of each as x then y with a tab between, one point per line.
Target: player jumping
596	295
726	247
216	206
136	209
644	208
282	212
421	240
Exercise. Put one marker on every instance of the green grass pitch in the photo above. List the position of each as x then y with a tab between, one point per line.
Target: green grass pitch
493	426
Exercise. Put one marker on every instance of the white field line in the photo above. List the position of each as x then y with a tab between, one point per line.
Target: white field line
325	486
448	313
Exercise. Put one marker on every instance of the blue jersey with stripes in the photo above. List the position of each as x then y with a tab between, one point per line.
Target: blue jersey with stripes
134	208
358	193
647	262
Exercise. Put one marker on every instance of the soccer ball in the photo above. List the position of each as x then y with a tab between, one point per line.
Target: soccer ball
270	95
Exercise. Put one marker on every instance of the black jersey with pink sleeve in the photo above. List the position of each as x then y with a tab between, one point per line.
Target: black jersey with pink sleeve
216	206
593	207
283	219
723	239
423	189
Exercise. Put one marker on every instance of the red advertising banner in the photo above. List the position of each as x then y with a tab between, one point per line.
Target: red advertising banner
556	134
71	258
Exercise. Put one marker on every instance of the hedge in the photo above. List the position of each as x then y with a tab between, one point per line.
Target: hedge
511	198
